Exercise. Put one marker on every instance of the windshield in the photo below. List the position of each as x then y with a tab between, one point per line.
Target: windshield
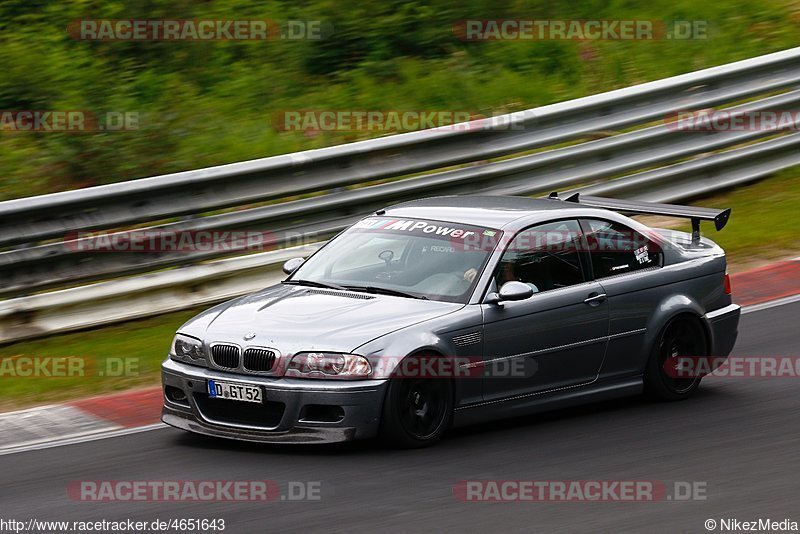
414	257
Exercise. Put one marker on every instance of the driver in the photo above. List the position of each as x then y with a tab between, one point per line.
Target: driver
507	274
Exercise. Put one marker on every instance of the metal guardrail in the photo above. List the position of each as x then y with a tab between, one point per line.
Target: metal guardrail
616	143
141	296
50	216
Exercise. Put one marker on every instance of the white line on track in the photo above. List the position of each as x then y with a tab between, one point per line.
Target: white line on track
771	304
82	439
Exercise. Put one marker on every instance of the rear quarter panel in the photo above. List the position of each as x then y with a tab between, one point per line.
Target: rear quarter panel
641	305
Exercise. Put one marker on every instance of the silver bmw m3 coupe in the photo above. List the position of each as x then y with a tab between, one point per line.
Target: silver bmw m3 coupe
454	310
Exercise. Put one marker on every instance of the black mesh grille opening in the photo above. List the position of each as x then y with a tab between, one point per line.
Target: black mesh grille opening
225	356
176	395
232	412
258	359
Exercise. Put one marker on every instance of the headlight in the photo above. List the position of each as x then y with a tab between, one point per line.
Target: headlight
328	365
187	349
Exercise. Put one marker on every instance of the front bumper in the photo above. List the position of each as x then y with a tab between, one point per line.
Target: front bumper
294	407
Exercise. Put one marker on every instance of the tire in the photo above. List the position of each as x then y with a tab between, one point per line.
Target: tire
417	411
683	336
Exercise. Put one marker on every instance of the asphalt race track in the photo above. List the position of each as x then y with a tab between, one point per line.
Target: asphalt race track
739	436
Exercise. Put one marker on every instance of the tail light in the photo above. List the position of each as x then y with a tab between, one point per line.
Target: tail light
727	284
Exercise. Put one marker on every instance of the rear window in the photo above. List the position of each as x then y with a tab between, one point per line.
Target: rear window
617	249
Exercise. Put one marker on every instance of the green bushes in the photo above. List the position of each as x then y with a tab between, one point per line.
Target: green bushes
210	103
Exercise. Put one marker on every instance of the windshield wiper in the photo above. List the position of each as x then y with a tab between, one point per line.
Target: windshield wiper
386	291
314	283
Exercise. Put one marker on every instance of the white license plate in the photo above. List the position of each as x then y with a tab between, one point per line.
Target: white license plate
238	392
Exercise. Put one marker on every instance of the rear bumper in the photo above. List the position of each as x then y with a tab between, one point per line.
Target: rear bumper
724	327
294	407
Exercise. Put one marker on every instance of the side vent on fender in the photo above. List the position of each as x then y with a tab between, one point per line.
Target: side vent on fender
467	339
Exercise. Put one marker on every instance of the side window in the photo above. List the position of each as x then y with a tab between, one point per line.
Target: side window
545	257
617	249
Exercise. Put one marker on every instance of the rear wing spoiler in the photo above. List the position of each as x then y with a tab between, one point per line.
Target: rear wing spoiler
720	217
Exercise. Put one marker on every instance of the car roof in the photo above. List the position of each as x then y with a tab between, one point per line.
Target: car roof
488	211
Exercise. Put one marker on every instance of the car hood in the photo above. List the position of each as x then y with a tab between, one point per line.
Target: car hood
293	318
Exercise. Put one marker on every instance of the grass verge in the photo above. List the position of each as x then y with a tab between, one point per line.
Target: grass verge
112	358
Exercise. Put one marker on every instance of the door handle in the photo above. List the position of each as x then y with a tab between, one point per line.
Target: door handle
595	298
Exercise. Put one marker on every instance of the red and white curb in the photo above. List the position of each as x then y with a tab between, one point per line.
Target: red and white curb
140	410
83	420
766	287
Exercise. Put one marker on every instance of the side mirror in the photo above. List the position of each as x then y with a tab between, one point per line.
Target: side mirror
292	265
510	291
